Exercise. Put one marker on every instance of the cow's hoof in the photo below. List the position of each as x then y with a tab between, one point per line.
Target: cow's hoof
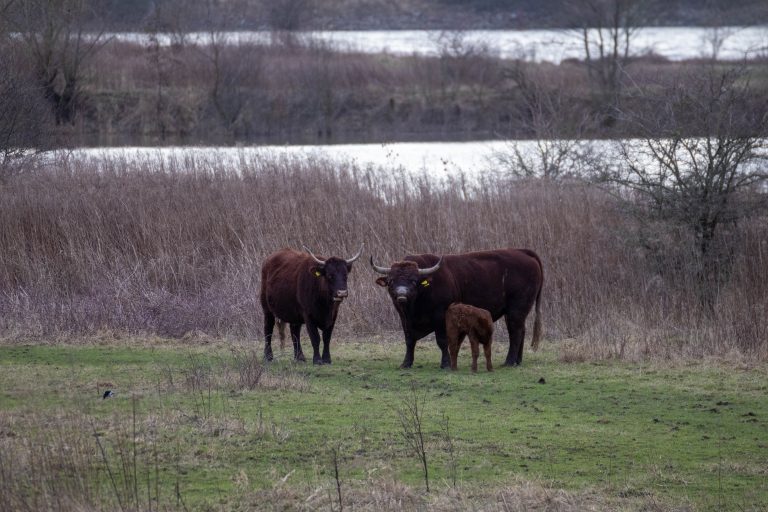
317	361
268	357
511	363
406	366
326	360
300	358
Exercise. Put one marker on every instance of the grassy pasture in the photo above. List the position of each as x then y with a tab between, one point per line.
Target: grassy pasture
204	426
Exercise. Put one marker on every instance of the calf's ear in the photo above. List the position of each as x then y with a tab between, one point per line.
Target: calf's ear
382	281
317	271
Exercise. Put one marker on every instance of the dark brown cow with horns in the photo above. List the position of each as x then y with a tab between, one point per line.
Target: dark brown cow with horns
299	288
506	282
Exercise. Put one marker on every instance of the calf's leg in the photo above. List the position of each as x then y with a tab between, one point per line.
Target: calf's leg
454	344
473	341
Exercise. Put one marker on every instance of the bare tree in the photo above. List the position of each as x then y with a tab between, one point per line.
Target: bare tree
607	29
54	33
556	124
288	15
24	121
233	66
706	180
716	34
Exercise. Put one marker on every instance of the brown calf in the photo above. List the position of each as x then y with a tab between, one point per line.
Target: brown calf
464	320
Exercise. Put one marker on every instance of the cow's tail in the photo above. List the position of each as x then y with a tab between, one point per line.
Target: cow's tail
281	331
537	328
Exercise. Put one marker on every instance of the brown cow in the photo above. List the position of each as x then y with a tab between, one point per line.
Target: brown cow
464	320
299	288
506	282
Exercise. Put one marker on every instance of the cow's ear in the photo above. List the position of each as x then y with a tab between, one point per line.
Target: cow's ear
425	282
382	281
317	271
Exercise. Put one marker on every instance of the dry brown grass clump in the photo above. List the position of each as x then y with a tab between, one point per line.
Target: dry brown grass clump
173	249
383	493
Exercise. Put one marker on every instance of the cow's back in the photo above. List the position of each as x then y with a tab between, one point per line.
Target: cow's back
485	279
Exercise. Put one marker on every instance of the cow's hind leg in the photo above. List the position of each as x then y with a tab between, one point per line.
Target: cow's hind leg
327	345
269	327
516	330
298	355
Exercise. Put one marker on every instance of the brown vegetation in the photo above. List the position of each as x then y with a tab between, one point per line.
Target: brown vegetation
141	247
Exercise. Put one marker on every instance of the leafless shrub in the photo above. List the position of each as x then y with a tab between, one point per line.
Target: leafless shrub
702	184
465	63
410	412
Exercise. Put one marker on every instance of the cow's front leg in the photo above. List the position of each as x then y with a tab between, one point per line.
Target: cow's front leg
314	337
298	355
410	345
442	342
327	345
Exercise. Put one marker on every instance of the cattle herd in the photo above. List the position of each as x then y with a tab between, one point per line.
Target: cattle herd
454	296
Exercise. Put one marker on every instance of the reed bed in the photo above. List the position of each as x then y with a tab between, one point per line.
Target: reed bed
173	248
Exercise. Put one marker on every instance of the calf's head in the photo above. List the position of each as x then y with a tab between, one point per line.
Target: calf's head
334	270
404	280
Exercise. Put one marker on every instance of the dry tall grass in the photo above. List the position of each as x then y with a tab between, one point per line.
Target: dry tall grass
175	248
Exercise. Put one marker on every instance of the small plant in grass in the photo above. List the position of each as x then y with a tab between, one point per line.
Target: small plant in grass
453	462
410	412
335	459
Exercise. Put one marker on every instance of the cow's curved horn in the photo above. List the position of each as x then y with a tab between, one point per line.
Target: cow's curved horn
430	270
318	260
380	270
354	258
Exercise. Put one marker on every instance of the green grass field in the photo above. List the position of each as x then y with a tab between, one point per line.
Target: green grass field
185	430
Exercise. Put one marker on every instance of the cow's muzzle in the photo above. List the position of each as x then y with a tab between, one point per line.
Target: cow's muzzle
402	298
341	295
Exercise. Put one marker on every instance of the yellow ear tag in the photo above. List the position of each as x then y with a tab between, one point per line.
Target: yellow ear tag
425	283
317	274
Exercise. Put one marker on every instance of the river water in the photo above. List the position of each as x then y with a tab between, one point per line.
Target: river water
438	159
674	43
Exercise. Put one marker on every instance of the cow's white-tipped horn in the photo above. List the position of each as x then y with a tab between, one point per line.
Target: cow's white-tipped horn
318	260
356	256
380	270
430	270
